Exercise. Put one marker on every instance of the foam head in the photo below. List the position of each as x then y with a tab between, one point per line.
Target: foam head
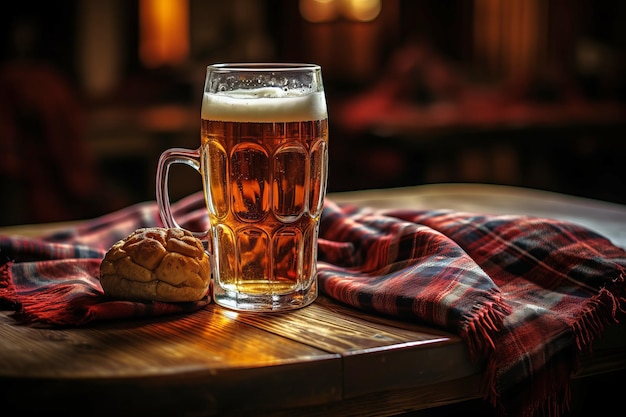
266	104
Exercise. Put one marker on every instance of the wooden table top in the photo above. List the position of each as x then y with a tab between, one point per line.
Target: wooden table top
325	359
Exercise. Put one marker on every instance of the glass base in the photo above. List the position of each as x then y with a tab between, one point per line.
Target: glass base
265	302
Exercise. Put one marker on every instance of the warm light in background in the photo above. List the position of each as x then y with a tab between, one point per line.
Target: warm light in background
163	31
361	10
511	36
319	11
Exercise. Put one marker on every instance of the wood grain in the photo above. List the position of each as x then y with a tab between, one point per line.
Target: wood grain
311	356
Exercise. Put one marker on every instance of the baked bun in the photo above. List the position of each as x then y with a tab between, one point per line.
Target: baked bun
156	264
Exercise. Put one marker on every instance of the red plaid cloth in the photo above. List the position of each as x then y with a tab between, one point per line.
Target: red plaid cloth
55	279
528	295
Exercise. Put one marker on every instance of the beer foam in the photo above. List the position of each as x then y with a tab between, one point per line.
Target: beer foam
267	104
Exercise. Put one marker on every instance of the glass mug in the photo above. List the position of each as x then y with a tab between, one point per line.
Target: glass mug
263	159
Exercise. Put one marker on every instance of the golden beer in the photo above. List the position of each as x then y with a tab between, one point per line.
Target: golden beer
266	183
263	158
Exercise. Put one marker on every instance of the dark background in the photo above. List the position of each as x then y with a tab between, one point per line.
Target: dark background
520	92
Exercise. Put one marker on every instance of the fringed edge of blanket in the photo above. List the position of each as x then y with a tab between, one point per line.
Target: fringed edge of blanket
481	325
548	395
601	310
8	295
551	387
42	307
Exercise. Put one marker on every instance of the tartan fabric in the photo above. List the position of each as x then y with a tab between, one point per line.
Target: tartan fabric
402	268
54	280
527	295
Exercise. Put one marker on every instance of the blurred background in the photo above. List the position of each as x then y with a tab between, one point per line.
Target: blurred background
515	92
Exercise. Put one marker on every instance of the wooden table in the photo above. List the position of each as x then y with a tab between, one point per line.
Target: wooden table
325	359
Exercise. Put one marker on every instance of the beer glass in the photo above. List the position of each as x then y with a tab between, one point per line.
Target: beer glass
263	159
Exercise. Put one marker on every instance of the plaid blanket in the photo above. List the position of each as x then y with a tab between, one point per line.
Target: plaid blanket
526	294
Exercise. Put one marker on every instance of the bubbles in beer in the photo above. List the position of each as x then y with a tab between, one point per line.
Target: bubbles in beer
267	154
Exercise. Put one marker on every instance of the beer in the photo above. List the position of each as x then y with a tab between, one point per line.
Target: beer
263	158
264	164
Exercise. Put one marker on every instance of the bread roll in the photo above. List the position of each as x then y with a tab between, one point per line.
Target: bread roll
156	264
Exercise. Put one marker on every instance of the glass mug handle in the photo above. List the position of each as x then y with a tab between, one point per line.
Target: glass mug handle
167	159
